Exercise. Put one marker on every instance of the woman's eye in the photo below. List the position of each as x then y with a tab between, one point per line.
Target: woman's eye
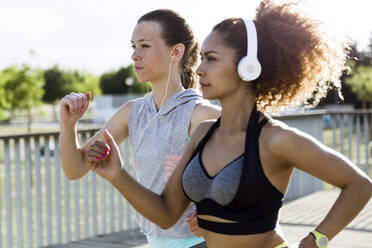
145	46
209	59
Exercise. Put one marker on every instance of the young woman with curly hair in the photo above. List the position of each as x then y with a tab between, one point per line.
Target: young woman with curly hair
238	168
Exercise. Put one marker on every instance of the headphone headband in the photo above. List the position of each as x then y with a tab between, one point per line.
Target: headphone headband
251	38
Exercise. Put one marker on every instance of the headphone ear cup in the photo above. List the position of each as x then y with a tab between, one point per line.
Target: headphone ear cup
249	68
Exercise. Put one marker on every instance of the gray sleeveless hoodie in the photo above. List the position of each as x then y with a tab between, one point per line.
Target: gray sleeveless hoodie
158	141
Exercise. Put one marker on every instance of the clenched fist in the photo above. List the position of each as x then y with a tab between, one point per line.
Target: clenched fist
73	107
105	159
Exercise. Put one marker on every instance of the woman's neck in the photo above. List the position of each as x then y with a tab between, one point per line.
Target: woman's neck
236	110
162	92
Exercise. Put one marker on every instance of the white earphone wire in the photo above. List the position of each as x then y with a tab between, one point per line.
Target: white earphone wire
166	87
165	94
136	216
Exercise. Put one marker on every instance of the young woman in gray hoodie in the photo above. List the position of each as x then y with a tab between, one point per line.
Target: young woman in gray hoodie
159	125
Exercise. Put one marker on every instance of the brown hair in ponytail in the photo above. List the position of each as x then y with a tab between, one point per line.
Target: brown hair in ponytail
175	30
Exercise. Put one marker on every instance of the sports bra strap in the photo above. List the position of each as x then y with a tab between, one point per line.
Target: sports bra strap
251	125
252	171
261	125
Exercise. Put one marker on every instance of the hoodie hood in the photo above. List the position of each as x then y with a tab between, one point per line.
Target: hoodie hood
173	102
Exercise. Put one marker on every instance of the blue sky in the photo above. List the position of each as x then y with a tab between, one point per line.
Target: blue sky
94	35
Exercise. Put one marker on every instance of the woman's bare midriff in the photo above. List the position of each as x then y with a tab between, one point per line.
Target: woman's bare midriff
268	239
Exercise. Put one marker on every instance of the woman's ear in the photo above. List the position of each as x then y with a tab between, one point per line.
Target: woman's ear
178	51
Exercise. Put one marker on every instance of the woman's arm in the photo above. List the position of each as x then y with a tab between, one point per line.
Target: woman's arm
73	157
302	151
164	210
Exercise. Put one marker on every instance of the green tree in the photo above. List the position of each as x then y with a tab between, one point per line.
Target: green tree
356	59
56	86
83	82
23	89
361	83
3	102
59	83
123	81
114	82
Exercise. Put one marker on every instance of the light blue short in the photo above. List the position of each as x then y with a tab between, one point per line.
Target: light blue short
173	243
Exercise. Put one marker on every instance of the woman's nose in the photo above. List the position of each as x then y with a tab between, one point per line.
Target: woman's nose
135	56
200	71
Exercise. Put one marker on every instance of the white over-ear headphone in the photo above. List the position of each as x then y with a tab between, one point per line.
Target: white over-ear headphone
249	68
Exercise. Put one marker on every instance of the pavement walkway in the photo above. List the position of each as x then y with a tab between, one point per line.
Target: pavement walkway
297	218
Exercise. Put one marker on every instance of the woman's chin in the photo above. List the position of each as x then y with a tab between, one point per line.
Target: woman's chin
142	79
207	96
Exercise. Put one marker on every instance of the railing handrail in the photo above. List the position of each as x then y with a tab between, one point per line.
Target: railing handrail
351	111
323	112
28	135
309	113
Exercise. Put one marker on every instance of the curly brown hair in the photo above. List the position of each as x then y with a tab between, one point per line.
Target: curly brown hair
300	60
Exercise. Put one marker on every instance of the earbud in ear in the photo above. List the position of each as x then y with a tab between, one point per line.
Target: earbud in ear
174	53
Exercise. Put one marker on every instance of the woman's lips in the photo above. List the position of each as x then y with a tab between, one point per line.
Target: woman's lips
204	85
138	68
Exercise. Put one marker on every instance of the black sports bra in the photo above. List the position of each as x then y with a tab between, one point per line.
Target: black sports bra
255	206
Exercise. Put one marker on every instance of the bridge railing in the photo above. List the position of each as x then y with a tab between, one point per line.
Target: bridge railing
40	207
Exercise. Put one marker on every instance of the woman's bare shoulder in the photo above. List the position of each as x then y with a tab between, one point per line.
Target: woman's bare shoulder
200	131
279	138
204	112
